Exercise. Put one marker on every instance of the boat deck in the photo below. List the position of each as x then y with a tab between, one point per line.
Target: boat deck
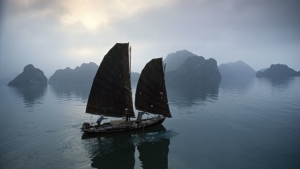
122	125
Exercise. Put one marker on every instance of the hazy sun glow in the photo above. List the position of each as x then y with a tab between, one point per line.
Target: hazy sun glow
80	52
92	14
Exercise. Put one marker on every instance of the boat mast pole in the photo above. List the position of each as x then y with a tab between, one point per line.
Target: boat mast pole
129	54
130	59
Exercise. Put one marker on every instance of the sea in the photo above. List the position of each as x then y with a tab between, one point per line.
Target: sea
249	123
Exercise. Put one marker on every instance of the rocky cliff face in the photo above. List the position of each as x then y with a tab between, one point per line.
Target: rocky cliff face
277	70
174	60
29	76
195	69
83	74
237	69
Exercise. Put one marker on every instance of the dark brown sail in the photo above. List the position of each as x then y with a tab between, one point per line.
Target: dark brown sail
151	94
110	94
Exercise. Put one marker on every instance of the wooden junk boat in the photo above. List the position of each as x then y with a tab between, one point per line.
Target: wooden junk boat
111	94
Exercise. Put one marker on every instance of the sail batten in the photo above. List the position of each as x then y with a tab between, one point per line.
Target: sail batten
110	94
151	94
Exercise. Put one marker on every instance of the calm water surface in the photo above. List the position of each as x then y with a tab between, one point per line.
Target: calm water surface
252	123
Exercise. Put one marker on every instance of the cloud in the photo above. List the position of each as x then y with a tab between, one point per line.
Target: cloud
76	31
96	14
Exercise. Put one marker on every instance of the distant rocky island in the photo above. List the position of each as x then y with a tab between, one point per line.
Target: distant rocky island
29	76
83	74
183	67
194	78
194	69
277	71
237	69
174	60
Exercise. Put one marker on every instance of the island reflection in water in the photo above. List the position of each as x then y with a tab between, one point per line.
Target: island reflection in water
278	83
72	91
189	94
240	84
112	150
32	94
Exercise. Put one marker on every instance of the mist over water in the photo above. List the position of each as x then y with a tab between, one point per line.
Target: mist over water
240	123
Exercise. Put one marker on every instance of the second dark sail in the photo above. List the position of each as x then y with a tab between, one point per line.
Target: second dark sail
151	94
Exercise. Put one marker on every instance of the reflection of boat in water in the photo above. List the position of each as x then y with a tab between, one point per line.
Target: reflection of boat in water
154	153
113	152
118	150
111	95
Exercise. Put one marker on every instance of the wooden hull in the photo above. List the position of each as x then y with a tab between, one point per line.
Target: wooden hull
122	127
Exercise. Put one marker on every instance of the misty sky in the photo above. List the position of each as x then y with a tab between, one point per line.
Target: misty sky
57	34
